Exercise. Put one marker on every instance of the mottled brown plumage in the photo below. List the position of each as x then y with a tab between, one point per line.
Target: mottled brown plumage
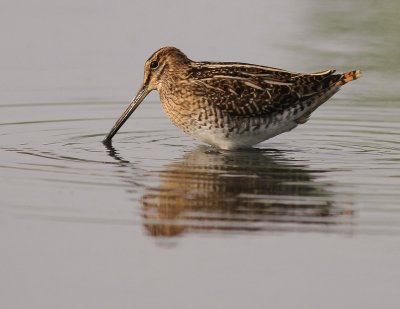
232	105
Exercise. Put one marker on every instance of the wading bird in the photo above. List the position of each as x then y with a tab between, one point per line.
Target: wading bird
232	105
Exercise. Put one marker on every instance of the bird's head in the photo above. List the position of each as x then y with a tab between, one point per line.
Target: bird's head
165	65
168	63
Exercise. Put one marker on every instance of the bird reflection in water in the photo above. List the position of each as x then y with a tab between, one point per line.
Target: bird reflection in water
238	191
249	190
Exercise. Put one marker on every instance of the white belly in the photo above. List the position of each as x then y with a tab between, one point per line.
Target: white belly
218	137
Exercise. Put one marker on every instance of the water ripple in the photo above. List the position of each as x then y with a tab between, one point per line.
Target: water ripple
339	173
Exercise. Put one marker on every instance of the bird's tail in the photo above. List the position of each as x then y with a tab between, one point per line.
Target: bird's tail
348	77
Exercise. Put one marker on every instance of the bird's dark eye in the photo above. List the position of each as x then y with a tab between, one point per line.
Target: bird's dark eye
154	65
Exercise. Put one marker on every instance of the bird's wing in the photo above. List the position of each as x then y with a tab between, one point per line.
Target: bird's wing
248	90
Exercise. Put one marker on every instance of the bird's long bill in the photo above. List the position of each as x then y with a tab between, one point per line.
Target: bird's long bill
128	111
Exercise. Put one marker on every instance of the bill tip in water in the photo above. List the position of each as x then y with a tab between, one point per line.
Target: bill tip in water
107	141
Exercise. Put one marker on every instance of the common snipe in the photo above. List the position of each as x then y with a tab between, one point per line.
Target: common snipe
232	105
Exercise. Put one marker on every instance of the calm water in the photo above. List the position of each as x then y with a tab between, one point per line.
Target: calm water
159	220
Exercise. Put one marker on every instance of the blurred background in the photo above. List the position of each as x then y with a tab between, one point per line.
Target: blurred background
95	50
